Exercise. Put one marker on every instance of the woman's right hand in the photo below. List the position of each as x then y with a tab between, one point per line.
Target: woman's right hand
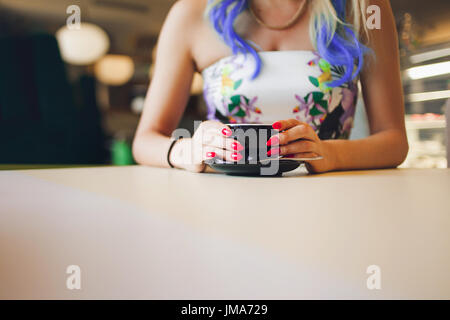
212	139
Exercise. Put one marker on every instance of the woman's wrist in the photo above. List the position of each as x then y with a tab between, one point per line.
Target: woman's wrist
331	155
181	156
178	153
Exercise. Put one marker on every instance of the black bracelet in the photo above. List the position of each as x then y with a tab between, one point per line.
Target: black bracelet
170	149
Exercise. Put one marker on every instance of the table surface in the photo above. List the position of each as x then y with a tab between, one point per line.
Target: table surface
150	233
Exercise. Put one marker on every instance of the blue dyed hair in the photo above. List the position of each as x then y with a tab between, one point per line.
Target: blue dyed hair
335	39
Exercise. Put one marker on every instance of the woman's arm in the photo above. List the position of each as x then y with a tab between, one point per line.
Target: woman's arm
169	89
167	98
387	145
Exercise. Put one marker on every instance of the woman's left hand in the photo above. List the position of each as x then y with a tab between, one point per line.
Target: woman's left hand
299	140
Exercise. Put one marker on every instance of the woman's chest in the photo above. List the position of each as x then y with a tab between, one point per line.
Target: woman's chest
208	47
292	84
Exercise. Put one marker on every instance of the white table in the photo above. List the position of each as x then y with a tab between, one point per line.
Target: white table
138	232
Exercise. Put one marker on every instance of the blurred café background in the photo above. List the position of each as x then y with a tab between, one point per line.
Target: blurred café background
74	97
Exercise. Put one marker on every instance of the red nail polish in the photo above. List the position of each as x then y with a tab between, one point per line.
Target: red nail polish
273	152
237	146
226	132
277	125
236	156
288	156
274	141
210	154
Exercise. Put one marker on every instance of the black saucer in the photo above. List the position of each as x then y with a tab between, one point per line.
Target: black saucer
239	169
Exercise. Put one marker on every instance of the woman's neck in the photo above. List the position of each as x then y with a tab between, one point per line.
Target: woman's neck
275	14
275	4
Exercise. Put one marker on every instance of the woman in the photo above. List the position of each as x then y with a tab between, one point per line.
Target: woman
293	63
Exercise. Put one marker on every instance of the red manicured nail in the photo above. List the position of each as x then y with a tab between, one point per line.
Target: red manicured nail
274	141
210	154
237	146
277	125
236	156
273	152
288	156
226	132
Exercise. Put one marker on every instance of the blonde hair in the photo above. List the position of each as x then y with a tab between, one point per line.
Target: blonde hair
324	12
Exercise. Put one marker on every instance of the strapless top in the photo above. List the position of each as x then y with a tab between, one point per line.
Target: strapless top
292	84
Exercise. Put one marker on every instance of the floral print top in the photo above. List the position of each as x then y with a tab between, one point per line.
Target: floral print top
292	84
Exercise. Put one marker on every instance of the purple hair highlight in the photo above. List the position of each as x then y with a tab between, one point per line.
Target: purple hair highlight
339	48
222	17
342	48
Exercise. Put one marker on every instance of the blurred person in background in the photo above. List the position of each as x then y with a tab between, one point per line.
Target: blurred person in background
292	63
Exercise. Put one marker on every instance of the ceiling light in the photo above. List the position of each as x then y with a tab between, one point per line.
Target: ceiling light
114	70
430	55
430	70
427	96
82	46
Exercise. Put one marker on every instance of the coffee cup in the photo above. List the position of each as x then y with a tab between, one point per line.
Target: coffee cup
253	137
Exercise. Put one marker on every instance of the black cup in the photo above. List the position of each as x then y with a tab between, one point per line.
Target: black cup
253	137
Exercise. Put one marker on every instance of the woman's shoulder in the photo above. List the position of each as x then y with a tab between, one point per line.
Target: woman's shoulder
192	10
192	29
186	18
